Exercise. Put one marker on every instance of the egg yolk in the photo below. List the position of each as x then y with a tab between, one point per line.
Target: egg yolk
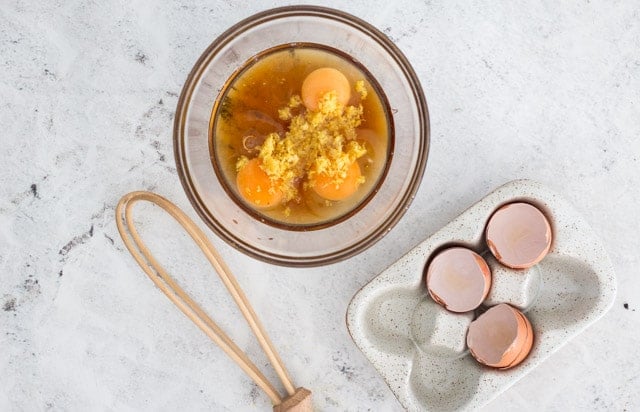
321	81
326	186
256	187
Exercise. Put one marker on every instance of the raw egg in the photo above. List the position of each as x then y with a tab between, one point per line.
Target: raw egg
518	235
459	279
324	80
256	187
501	337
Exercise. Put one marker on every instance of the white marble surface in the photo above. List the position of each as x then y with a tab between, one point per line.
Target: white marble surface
547	91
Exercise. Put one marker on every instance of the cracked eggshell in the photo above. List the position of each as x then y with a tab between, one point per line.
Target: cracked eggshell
459	279
501	337
518	235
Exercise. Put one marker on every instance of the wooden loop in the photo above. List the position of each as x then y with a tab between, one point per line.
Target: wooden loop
181	299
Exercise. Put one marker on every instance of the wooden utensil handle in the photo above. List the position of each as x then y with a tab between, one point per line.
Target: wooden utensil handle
297	398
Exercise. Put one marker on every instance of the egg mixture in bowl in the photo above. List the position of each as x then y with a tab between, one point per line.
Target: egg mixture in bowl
301	135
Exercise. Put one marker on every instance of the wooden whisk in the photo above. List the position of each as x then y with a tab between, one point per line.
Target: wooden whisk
298	399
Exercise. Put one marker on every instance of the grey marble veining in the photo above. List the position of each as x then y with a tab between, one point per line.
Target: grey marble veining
546	91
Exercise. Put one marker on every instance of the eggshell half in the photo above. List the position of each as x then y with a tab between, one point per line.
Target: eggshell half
459	279
518	235
501	337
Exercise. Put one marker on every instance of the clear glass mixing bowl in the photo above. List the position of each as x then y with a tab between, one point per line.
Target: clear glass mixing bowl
369	222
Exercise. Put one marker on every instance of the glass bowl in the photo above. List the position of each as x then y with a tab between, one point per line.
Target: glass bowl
248	232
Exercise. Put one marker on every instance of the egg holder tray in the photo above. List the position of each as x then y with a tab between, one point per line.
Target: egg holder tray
419	347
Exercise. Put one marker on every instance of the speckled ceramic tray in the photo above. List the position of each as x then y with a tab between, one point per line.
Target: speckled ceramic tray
419	348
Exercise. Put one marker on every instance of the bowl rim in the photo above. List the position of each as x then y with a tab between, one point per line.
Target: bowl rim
417	96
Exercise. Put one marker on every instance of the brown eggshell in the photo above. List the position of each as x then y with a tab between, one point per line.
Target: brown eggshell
513	351
518	235
501	337
513	354
526	346
459	279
